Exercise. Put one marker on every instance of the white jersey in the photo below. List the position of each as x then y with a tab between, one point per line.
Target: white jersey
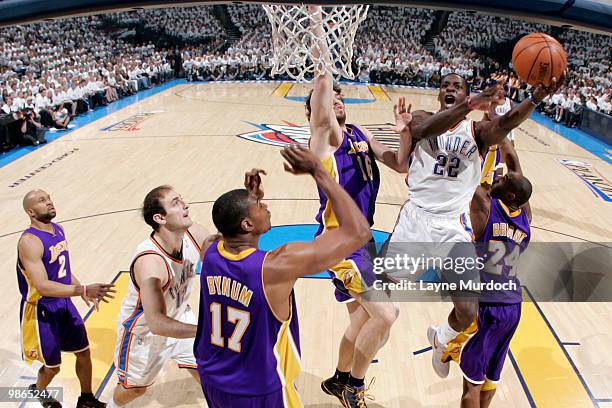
501	110
181	278
445	171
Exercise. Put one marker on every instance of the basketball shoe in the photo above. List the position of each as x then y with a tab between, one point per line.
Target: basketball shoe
355	397
441	368
89	401
46	402
332	386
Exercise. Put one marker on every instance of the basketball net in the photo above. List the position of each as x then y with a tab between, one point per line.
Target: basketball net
314	41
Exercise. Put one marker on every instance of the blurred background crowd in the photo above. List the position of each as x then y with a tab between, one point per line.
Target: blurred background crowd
53	71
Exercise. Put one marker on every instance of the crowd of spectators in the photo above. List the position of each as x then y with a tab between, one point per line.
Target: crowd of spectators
50	72
589	79
246	59
189	24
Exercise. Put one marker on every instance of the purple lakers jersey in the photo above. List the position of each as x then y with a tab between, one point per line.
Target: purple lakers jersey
354	167
241	347
55	260
506	236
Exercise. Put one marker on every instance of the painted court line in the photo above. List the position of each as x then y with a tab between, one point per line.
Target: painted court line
549	374
102	336
378	93
283	89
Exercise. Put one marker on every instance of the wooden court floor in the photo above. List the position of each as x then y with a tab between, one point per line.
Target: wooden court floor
186	136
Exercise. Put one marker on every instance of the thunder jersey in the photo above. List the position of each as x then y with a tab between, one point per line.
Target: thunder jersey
241	347
181	273
445	170
501	110
354	167
504	239
55	260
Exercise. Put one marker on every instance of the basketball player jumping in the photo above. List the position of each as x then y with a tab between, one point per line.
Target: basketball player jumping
155	322
50	323
247	346
348	154
444	173
501	221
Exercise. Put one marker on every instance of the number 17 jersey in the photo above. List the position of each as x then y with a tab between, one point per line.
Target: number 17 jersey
241	347
445	170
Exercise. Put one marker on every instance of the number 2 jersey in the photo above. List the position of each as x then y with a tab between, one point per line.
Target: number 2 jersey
504	239
354	167
241	347
55	260
445	170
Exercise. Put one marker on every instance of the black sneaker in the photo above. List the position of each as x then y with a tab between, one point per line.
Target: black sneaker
46	402
355	397
331	386
89	402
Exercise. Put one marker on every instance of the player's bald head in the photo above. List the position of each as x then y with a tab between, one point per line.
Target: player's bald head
32	197
513	189
38	205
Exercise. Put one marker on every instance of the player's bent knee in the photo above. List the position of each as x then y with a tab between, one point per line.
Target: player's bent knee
466	312
388	315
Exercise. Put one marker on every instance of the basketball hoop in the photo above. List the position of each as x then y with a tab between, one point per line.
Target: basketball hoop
294	42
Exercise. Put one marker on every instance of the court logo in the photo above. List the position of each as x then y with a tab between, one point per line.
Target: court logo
599	186
292	134
278	135
130	124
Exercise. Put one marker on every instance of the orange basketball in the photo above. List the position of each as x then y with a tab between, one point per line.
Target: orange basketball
537	58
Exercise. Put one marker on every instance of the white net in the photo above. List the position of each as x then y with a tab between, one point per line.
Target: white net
312	40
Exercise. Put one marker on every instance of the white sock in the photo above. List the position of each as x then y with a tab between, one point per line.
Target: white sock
112	404
446	333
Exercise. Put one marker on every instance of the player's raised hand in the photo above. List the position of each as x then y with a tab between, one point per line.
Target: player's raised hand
300	160
99	291
483	100
540	91
403	117
252	182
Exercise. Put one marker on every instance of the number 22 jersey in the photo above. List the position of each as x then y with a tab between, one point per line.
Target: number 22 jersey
445	170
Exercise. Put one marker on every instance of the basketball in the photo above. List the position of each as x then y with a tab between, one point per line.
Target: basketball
537	58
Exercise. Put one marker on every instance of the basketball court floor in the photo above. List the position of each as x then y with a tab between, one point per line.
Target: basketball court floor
201	138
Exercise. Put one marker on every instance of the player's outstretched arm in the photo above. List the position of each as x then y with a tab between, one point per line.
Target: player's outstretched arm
510	157
480	207
151	275
396	160
291	261
426	125
492	132
513	163
324	128
30	255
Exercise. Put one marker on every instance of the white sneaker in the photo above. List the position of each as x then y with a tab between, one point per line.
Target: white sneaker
442	369
71	126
